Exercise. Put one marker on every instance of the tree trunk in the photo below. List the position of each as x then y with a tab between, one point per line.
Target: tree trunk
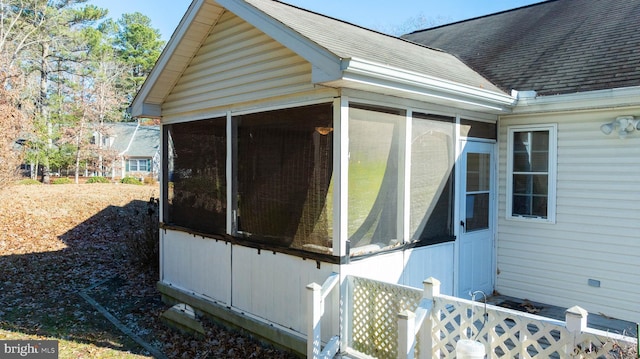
79	139
44	113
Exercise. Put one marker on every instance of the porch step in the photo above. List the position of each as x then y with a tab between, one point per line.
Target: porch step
183	317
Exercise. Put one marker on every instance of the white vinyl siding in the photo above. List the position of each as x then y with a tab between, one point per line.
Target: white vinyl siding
237	63
596	234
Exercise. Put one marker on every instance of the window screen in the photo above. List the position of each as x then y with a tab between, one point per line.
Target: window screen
284	169
196	171
374	155
432	163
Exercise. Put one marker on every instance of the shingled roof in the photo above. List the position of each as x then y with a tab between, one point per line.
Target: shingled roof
553	47
346	40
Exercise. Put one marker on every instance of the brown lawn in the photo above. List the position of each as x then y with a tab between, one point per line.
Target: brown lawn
58	241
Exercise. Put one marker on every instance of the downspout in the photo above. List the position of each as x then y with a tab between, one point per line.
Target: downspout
121	154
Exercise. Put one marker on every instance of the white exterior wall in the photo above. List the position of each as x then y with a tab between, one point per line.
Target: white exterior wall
263	284
272	286
196	264
410	267
597	230
237	63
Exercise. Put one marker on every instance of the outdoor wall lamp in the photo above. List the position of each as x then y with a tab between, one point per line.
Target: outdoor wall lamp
625	125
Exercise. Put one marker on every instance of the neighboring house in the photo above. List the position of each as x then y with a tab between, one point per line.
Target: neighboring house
297	145
134	148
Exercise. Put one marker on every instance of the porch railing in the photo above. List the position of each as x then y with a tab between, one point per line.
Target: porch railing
393	321
316	296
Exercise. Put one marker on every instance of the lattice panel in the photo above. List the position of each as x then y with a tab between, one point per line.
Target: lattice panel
375	315
512	334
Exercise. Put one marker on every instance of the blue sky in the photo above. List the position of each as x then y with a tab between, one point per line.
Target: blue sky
378	14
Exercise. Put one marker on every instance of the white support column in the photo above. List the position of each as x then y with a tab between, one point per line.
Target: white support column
406	334
231	140
314	314
431	289
576	322
340	174
404	200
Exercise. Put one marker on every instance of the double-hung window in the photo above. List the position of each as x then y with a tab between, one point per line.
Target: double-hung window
531	172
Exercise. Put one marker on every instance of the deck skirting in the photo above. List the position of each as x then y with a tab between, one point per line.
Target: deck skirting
236	320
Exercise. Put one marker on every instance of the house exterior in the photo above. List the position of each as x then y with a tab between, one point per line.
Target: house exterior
581	58
133	148
295	146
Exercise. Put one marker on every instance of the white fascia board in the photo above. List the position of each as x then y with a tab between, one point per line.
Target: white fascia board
611	98
138	102
325	64
147	110
362	71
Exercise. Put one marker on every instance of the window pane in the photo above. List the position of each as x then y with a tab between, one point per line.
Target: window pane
521	141
521	205
285	162
373	177
540	184
477	212
478	172
530	195
521	162
540	141
539	161
539	206
522	184
133	165
432	162
196	170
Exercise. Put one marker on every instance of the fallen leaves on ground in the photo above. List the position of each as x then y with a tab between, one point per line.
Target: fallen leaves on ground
58	240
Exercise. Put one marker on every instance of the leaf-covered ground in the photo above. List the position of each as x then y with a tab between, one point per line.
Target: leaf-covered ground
58	241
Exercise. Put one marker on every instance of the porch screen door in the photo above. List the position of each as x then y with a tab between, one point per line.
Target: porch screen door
476	232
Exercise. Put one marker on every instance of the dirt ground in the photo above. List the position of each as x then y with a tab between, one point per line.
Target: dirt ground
62	243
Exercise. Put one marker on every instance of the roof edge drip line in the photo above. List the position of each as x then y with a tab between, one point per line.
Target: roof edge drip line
363	71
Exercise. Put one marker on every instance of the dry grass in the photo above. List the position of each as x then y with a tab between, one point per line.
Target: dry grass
58	240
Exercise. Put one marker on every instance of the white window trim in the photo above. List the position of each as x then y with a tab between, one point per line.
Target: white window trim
552	171
138	161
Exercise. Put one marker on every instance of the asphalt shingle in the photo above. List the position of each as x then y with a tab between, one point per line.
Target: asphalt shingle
553	47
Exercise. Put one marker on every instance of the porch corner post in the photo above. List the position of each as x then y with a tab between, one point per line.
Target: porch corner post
406	334
314	314
431	290
576	323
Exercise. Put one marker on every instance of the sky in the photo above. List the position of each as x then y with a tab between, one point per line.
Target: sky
374	14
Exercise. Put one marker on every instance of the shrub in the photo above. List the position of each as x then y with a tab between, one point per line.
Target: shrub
62	180
130	180
29	181
98	179
150	180
143	246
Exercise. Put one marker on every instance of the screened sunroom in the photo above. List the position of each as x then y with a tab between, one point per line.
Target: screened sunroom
297	148
307	181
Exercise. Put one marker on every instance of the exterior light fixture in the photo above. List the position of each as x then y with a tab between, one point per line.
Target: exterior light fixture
624	124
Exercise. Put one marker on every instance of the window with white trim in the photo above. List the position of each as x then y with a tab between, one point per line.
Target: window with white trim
531	172
138	165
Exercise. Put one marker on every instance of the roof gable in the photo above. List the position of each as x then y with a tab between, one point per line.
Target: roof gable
340	54
554	47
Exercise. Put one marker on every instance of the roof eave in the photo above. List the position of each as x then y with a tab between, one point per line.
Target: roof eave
404	81
610	98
